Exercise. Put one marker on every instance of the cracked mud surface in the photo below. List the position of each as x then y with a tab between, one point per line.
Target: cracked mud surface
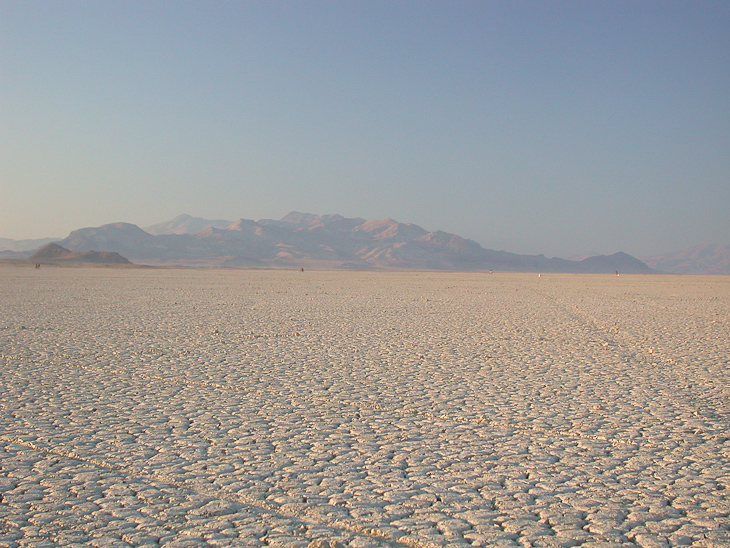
269	408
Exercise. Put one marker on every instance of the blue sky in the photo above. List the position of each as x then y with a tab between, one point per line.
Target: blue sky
535	127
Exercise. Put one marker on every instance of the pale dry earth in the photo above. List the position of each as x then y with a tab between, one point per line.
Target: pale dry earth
282	408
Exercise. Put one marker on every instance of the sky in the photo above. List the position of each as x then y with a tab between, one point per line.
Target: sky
547	127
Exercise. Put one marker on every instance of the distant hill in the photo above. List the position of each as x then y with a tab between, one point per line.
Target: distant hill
19	248
320	241
699	259
621	262
56	253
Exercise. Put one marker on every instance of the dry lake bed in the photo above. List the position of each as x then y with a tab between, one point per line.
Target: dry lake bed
187	408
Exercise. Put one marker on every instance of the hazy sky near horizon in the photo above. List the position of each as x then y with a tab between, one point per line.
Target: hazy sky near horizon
535	127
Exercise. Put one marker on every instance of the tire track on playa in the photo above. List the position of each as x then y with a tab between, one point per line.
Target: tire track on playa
607	334
259	507
615	338
615	335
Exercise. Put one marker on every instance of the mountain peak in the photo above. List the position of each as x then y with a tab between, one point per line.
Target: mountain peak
185	224
298	218
50	251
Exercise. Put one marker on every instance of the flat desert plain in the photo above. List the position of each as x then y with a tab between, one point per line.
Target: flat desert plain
187	408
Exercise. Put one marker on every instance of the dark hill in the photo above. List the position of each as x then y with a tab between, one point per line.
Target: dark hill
56	253
620	262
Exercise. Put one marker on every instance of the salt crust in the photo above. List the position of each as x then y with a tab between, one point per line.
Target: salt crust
322	409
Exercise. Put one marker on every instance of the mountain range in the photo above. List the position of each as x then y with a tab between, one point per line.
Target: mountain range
318	241
699	259
332	241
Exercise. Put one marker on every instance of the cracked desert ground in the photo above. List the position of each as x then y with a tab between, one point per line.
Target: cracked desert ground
185	408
